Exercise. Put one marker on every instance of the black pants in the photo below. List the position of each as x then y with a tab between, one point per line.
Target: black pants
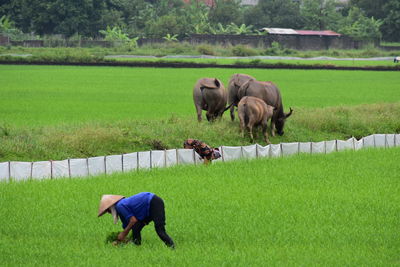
157	215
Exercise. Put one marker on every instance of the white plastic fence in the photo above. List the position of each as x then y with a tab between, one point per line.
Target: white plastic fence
20	171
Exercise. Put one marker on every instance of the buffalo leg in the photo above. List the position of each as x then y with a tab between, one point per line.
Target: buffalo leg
198	111
272	128
211	115
242	125
251	132
232	110
265	132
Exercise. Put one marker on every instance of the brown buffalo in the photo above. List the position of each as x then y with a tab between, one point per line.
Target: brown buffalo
253	112
209	94
235	82
270	93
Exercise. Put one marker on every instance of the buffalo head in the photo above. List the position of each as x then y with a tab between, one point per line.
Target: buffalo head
280	122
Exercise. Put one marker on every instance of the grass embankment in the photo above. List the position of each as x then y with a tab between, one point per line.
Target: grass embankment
97	54
99	139
71	112
263	62
336	209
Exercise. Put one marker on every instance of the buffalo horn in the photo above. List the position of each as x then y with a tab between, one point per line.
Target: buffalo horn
287	115
217	83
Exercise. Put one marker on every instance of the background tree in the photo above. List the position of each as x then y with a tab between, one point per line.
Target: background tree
391	23
359	18
226	12
371	8
168	24
360	27
274	13
320	15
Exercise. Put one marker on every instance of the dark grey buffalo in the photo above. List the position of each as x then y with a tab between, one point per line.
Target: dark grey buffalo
235	82
209	94
271	95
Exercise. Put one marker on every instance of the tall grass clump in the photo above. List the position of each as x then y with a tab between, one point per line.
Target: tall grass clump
331	210
205	49
244	51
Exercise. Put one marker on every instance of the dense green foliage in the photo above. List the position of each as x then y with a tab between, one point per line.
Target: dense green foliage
156	18
58	112
329	210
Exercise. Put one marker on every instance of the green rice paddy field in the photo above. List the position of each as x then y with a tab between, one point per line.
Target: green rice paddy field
45	95
340	209
59	112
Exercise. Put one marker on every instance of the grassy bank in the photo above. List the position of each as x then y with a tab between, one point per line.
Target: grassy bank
336	209
262	62
203	49
97	54
99	139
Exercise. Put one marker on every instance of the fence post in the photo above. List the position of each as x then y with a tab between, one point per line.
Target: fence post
122	162
256	151
69	168
9	171
151	161
51	169
105	165
87	166
137	161
165	158
386	142
30	178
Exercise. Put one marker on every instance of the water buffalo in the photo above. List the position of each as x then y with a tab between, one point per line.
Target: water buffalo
209	94
270	93
235	82
253	112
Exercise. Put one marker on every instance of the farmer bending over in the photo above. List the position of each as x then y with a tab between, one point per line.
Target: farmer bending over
135	212
205	151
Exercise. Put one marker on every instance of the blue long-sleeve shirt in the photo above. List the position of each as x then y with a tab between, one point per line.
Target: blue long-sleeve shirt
137	205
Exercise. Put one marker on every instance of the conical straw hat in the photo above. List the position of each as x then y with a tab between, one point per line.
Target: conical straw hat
107	201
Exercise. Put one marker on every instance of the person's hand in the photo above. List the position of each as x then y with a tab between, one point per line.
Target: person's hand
121	236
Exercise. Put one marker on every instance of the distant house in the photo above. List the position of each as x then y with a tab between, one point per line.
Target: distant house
282	31
255	2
